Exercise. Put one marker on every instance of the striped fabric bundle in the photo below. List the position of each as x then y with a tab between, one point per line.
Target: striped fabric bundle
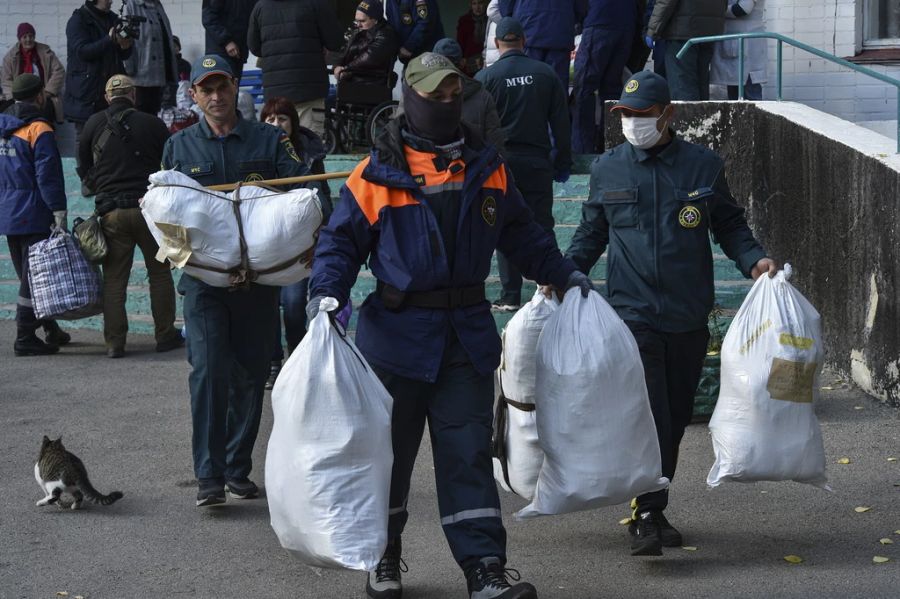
64	285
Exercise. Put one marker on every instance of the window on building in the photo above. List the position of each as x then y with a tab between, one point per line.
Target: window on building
881	23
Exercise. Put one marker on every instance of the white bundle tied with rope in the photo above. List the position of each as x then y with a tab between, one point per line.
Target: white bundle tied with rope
252	235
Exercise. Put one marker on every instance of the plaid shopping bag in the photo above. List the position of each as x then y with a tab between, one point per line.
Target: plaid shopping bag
64	285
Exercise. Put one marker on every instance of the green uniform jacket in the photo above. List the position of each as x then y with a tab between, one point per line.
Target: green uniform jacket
656	214
251	152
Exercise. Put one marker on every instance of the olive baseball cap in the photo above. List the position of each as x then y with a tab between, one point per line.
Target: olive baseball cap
643	91
207	65
425	72
119	85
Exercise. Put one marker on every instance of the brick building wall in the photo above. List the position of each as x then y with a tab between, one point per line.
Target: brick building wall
831	25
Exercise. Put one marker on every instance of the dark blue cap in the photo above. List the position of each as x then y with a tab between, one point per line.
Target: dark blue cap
509	30
209	64
449	48
644	90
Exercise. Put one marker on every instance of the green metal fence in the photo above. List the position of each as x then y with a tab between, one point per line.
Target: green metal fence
783	39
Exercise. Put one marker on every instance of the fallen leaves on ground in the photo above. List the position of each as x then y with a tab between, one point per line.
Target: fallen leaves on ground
892	459
689	548
793	559
843	461
880	559
861	509
625	521
885	541
857	407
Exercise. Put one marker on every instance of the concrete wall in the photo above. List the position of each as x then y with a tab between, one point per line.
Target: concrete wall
824	195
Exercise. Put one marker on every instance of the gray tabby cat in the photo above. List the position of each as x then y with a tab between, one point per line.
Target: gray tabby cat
58	471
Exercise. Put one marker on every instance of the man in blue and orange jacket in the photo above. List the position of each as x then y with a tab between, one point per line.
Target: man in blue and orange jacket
426	210
32	200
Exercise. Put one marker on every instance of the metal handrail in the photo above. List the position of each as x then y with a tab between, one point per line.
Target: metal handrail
782	39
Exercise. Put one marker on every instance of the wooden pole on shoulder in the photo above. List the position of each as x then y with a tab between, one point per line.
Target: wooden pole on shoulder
284	181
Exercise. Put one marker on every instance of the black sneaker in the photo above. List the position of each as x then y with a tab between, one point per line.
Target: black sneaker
490	580
170	344
115	353
274	370
210	492
503	305
384	581
668	534
55	335
242	489
645	534
32	345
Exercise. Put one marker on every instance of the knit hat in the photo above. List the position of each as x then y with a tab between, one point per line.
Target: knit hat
23	29
119	85
26	86
371	8
448	47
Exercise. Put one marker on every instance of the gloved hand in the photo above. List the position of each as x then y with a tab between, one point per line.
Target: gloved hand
61	220
561	176
580	280
649	41
312	308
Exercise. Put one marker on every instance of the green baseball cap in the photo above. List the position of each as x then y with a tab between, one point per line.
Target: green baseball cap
425	72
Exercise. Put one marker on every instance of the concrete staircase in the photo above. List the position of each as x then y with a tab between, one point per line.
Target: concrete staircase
730	285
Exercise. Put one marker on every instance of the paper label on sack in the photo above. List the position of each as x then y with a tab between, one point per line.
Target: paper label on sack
796	342
175	244
791	381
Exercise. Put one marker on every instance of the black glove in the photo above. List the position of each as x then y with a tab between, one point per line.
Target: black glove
580	280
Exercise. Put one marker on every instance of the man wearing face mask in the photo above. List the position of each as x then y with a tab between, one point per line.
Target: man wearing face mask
426	211
654	201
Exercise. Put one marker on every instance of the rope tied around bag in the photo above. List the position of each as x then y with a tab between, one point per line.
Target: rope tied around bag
241	275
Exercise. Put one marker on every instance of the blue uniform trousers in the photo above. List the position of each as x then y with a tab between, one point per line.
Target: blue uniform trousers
673	363
230	338
688	76
534	179
458	409
598	69
557	58
26	321
293	307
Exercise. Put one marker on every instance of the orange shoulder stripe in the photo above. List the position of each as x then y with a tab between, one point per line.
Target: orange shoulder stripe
371	198
497	179
32	131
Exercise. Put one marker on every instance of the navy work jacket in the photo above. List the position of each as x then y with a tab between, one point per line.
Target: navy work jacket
384	219
417	23
656	213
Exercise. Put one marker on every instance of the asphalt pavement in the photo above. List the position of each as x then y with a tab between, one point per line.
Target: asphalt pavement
129	421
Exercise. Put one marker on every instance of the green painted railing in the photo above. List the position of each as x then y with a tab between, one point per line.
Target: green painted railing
783	39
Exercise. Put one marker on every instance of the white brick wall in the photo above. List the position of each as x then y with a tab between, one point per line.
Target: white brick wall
831	25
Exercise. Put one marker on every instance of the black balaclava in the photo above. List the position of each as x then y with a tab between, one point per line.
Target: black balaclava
438	122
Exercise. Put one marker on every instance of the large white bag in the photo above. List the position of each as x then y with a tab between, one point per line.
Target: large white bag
517	454
328	465
764	426
593	413
197	228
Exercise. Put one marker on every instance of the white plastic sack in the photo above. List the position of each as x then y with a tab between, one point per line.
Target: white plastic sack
328	465
764	426
593	412
195	226
516	444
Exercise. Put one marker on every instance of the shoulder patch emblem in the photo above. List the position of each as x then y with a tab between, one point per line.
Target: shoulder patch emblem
422	9
489	211
208	63
689	217
406	18
632	86
290	149
419	179
253	177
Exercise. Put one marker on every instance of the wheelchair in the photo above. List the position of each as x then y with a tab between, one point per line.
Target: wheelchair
357	114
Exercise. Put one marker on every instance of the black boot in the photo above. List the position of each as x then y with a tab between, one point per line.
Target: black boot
30	345
274	370
55	335
489	579
645	534
384	581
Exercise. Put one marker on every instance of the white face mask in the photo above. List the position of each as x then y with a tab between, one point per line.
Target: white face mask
641	131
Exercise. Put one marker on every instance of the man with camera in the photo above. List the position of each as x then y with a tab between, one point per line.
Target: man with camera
154	62
95	53
120	147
